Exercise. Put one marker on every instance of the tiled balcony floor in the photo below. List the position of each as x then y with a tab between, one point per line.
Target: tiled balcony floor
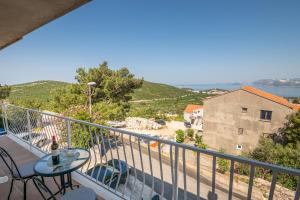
21	156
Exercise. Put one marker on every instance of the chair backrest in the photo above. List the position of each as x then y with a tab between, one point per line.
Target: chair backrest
40	185
10	163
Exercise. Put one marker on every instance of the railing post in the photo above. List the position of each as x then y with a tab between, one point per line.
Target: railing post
29	127
5	123
175	186
69	133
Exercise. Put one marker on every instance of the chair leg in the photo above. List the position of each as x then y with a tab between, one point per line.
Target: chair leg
24	188
11	187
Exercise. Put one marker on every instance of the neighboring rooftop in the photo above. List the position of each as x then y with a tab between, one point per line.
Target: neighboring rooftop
191	107
271	97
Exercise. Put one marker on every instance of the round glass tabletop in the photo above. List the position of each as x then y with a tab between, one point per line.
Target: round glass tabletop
70	160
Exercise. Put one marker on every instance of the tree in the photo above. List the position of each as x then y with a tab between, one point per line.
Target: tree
223	164
199	143
180	136
111	85
4	92
190	133
110	95
296	101
290	133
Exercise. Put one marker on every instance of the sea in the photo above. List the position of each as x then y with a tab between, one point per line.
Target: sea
284	91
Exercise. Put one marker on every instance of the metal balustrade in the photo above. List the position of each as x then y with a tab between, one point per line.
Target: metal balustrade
136	166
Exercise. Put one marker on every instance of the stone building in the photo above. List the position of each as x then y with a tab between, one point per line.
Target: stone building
235	121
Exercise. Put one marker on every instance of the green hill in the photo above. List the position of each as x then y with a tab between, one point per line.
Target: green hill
151	91
38	90
41	90
150	99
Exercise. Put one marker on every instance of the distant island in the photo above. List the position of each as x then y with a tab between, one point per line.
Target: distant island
279	82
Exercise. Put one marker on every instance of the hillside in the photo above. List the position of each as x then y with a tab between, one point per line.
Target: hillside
42	90
151	91
150	99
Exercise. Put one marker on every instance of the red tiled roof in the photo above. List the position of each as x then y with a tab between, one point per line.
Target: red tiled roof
296	107
277	99
191	107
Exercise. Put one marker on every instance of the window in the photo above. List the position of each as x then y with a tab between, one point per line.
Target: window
244	110
241	131
239	147
266	115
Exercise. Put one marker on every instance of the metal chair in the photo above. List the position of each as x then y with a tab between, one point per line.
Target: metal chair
23	173
77	194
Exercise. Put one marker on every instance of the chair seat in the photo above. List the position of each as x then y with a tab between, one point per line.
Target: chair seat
80	193
26	171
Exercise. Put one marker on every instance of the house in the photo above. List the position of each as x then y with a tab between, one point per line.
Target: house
235	121
194	114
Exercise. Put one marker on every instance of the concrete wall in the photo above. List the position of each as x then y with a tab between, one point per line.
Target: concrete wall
223	117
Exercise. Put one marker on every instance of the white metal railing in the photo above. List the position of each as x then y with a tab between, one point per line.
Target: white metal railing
136	166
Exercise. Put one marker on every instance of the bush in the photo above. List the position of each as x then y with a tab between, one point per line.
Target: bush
190	133
199	143
223	164
180	136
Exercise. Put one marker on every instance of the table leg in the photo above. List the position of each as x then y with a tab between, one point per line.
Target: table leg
62	183
70	184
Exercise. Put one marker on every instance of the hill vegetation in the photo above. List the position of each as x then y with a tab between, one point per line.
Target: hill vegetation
147	101
150	91
38	90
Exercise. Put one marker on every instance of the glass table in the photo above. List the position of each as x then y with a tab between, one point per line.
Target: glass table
70	160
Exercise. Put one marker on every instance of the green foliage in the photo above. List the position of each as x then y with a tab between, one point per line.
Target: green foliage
190	133
179	118
180	136
112	85
110	94
174	105
150	91
290	133
275	153
199	143
37	91
58	96
4	91
296	101
223	164
33	104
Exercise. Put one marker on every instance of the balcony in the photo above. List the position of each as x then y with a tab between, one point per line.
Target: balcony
140	166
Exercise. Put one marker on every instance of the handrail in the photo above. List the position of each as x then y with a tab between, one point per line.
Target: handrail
292	171
103	147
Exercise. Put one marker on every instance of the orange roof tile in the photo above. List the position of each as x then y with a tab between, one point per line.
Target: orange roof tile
191	107
272	97
296	107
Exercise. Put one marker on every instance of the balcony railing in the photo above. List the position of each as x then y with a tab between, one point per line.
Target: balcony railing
136	166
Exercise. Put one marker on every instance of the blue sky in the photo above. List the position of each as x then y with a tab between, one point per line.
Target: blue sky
174	42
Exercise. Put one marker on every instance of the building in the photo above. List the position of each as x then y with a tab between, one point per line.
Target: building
194	114
235	121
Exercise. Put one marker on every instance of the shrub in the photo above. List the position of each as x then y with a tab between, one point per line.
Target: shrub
180	136
199	143
223	164
190	133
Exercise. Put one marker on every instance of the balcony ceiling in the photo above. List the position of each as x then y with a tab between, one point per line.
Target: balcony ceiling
17	18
